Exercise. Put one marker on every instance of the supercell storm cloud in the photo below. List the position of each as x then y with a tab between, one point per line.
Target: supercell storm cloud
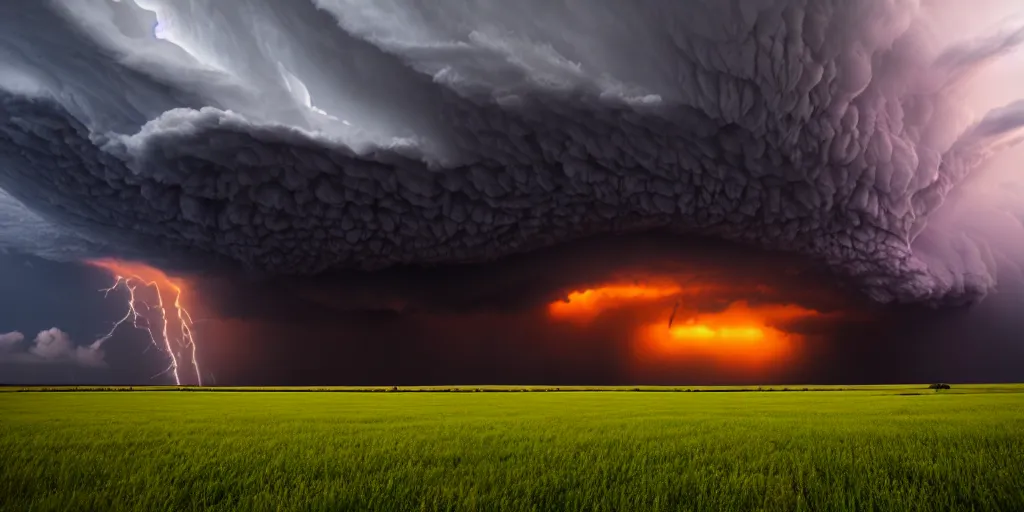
313	135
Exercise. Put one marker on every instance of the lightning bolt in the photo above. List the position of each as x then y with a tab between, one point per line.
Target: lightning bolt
185	321
186	338
132	313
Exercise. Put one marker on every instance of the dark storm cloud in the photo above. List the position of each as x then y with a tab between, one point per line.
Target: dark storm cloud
23	230
529	282
314	135
303	335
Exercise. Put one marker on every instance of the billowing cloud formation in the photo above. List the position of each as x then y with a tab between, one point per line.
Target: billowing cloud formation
296	137
9	340
50	346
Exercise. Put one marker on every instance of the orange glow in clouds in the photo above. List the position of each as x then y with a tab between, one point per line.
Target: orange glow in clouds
139	271
155	305
584	306
740	336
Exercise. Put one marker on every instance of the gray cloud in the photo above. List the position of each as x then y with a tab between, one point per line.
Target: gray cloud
50	346
299	137
23	230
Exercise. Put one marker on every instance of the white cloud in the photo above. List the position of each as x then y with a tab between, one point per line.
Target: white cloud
50	346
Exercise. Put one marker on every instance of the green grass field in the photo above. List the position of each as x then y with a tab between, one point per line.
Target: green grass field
872	448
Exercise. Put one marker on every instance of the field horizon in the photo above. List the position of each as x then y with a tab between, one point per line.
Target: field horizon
889	448
974	386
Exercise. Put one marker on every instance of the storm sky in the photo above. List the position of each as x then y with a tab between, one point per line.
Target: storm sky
403	192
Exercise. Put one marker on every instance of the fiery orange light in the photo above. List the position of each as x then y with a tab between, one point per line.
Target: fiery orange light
741	335
585	305
177	345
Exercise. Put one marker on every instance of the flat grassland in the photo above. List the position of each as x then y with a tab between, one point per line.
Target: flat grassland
886	448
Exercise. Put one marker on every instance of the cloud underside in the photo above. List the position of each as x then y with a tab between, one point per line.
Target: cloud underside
314	135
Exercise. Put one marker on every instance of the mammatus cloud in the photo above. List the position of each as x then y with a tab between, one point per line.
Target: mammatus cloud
50	346
296	137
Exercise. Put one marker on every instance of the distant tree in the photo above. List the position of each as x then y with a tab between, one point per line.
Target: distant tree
939	385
